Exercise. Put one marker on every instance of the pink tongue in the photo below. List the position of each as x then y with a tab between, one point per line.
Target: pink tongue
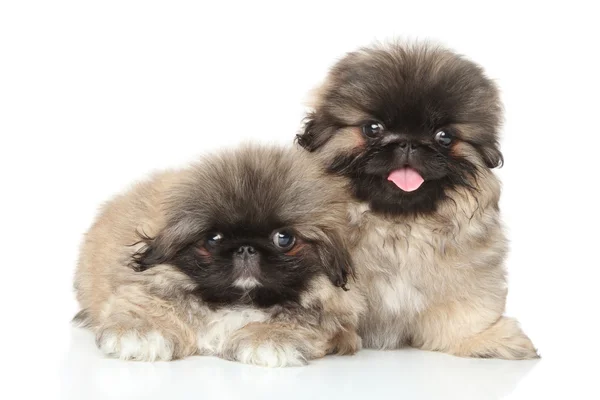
406	179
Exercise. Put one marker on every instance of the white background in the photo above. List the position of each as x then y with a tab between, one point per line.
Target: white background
94	95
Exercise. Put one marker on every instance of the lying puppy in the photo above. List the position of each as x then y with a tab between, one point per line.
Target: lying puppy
414	131
239	256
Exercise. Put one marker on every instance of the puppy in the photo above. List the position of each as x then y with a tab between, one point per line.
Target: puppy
414	131
240	256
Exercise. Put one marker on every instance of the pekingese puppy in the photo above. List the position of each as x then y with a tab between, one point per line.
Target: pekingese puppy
414	131
241	256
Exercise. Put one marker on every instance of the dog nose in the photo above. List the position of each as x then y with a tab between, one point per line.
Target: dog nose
407	145
246	250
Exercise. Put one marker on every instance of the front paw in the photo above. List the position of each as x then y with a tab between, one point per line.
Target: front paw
274	345
345	342
270	354
134	345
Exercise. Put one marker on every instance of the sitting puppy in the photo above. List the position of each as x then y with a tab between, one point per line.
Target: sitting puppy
239	256
414	131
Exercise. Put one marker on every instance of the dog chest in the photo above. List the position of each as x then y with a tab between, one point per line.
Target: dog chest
399	264
398	296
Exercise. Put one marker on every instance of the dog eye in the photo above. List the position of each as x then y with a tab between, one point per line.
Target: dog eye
214	239
372	129
444	138
283	240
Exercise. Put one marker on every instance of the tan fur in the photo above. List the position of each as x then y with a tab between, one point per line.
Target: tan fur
437	282
432	280
155	309
347	139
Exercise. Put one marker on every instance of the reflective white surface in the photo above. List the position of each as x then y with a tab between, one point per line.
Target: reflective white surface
408	373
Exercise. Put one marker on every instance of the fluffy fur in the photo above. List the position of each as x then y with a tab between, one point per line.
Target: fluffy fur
430	261
153	284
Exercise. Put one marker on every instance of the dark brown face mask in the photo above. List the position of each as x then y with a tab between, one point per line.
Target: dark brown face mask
428	121
259	237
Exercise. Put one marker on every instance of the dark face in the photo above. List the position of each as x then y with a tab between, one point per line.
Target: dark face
406	126
401	173
252	227
246	264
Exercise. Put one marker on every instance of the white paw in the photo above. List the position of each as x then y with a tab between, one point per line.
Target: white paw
131	345
270	354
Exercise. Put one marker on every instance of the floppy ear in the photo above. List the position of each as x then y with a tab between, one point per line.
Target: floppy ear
163	247
336	260
492	156
315	134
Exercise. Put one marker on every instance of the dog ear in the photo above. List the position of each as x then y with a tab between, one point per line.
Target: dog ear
492	156
336	260
315	133
163	247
